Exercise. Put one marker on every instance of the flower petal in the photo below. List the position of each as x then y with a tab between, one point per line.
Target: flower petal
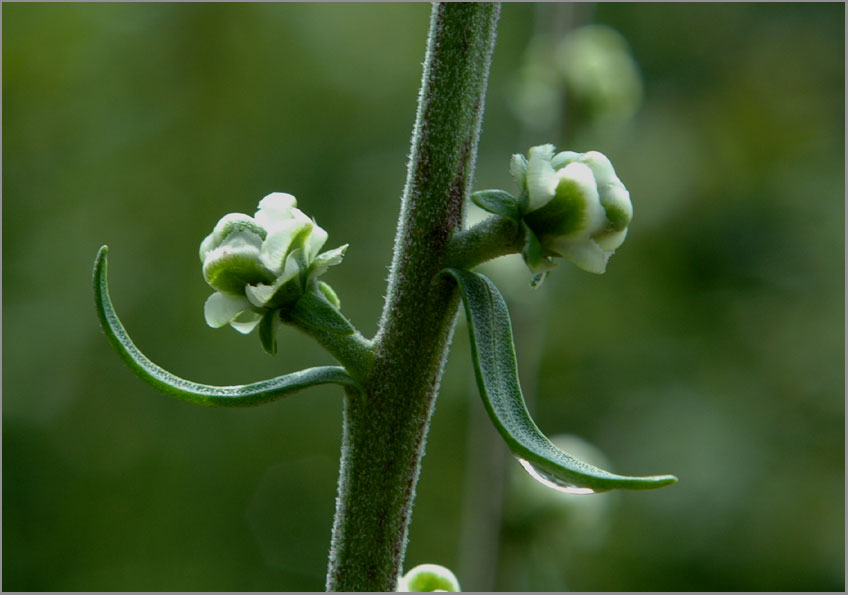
586	254
281	241
274	209
235	263
581	176
541	177
228	224
300	240
221	308
616	202
601	167
611	240
316	241
327	259
246	322
518	169
562	159
285	289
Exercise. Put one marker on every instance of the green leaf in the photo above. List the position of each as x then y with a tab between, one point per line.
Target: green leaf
497	377
315	310
498	202
203	394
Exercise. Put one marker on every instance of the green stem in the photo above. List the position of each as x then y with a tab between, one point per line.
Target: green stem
353	351
385	428
491	238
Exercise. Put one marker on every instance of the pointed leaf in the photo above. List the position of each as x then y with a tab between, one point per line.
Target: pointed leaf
498	202
497	377
203	394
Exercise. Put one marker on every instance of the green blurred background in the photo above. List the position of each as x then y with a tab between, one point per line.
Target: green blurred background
713	348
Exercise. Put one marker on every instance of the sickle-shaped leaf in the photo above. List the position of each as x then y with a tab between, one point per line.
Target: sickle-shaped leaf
493	353
203	394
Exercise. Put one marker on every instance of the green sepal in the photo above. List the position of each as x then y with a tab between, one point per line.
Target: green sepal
496	370
497	202
244	395
330	294
534	256
314	310
268	331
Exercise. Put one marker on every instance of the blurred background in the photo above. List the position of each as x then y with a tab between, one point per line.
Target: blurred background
713	347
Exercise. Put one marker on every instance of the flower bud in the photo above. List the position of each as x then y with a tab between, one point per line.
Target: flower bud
426	578
263	263
576	208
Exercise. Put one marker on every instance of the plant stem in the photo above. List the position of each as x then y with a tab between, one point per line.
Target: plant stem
385	428
354	352
492	237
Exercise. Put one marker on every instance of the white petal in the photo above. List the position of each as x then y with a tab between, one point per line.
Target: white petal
207	245
229	224
260	294
611	240
562	159
327	259
316	242
541	177
236	223
587	255
280	242
235	262
595	216
601	167
278	201
518	169
221	308
616	202
274	209
246	322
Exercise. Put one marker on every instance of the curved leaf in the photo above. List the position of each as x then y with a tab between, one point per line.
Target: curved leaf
493	353
203	394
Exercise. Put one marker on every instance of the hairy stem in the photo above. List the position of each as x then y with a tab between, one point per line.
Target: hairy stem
385	427
491	238
353	351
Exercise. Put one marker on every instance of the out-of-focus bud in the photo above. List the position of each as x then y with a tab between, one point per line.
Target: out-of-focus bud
600	72
576	208
427	578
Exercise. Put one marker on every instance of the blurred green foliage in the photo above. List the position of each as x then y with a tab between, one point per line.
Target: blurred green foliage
713	348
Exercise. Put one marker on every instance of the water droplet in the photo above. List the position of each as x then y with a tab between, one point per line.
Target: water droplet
538	279
553	482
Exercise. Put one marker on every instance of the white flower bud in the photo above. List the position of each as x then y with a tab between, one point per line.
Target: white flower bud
577	208
262	263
